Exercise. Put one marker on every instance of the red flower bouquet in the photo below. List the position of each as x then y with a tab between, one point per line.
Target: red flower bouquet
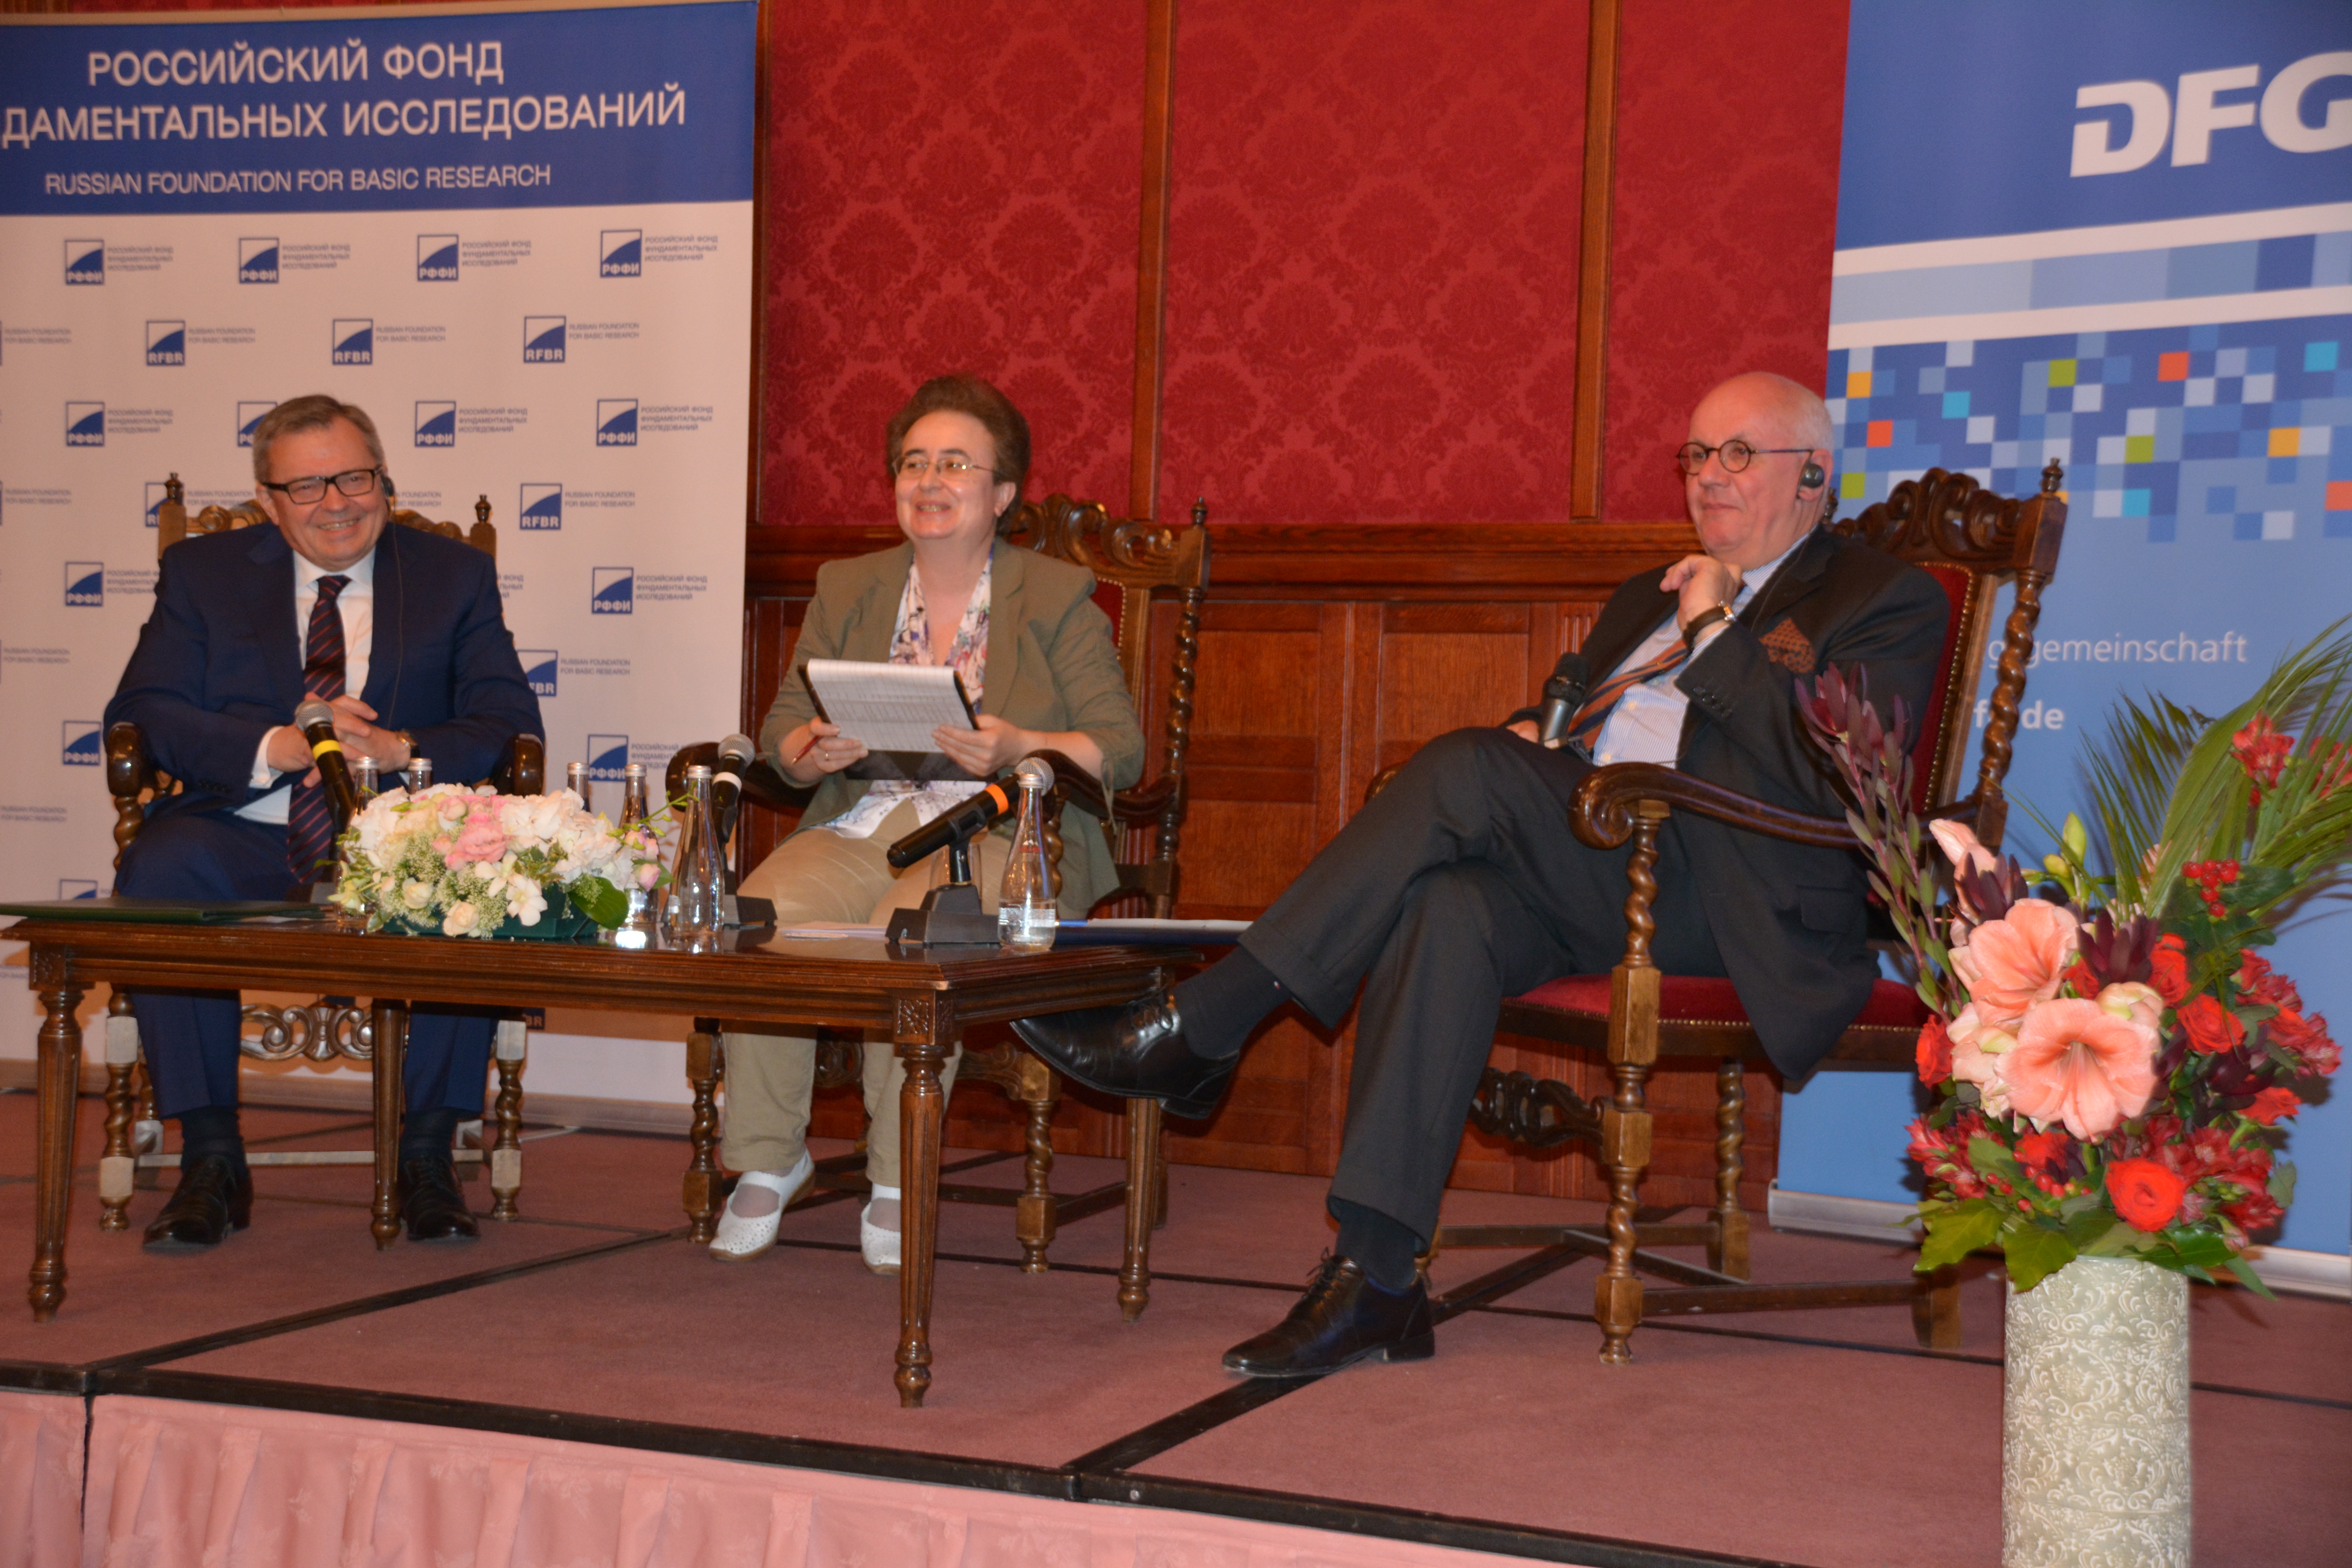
2112	1060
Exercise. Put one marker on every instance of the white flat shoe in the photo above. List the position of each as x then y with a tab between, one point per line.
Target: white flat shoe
740	1239
878	1242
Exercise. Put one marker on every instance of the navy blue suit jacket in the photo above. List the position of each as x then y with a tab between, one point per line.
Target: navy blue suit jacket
219	662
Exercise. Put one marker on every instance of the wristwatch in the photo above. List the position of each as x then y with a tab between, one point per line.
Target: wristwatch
1704	619
410	741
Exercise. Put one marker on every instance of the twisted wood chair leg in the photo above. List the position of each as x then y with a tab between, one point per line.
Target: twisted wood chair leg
1726	1252
1625	1119
705	1061
118	1168
1145	1198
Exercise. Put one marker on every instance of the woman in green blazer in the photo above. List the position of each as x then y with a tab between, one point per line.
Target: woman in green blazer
1036	657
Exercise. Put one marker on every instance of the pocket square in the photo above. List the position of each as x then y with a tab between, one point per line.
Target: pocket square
1785	646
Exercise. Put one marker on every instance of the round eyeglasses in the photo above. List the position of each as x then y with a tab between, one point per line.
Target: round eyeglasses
313	487
1735	455
915	466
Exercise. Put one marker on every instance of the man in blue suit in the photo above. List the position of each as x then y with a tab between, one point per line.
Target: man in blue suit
402	632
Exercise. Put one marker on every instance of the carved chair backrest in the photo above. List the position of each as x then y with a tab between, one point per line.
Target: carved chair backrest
1136	560
172	523
1972	542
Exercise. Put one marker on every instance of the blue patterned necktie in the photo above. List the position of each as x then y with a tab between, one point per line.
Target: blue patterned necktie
309	819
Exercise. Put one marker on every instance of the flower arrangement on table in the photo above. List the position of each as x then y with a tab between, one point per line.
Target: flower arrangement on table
453	861
2111	1058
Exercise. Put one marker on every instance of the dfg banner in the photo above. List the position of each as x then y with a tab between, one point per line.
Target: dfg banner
2117	235
521	239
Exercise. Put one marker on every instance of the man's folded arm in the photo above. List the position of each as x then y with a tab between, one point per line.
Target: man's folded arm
162	691
491	702
1895	641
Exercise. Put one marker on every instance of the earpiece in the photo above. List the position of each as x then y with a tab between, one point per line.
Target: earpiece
1812	478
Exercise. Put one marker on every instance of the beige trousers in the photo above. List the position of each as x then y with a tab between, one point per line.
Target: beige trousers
815	874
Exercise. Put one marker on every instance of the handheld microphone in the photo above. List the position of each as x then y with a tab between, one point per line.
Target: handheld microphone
1563	694
735	754
316	719
984	810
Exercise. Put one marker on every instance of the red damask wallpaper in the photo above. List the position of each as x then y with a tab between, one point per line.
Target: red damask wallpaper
1372	307
951	185
1724	219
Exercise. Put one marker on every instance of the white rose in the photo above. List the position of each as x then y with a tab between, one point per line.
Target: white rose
461	920
416	895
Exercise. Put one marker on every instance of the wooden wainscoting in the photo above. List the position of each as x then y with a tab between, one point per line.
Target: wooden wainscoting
1326	655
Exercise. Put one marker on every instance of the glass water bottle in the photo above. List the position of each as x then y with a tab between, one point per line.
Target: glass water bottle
698	878
366	780
637	929
420	774
1026	915
575	779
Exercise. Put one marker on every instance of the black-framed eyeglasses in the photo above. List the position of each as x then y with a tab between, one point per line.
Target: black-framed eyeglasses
313	487
952	469
1735	455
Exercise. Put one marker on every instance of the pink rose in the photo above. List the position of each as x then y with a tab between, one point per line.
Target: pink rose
2010	963
481	840
2087	1064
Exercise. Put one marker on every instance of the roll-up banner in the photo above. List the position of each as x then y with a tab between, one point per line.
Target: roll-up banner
521	238
2119	235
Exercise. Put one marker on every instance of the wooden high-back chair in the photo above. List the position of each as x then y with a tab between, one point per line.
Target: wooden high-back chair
322	1030
1137	562
1972	542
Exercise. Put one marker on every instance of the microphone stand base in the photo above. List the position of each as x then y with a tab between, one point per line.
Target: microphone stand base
950	917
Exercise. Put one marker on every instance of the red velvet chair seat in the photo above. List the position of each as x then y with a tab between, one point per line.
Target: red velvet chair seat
1698	999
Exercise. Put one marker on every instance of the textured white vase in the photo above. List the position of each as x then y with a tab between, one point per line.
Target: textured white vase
2095	1419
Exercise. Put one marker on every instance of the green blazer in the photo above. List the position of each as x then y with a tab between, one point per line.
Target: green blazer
1051	665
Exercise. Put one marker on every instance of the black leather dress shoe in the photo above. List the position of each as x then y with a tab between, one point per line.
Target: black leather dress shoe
1343	1318
430	1203
1136	1050
214	1196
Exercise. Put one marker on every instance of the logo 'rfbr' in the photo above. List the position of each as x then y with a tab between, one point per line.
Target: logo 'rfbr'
538	668
85	585
608	757
82	738
257	260
543	340
167	343
611	590
616	422
352	342
436	258
543	506
436	424
85	261
84	424
621	253
158	492
249	415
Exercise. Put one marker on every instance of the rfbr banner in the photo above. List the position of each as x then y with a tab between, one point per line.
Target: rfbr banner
520	239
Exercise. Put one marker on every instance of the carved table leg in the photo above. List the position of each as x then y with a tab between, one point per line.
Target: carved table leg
1033	1217
1727	1253
506	1142
705	1060
118	1168
1143	1206
1935	1310
391	1050
60	1074
924	1030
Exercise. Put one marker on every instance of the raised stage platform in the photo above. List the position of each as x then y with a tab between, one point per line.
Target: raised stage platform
583	1387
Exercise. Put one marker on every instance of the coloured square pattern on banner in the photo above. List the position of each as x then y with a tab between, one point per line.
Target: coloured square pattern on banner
2234	432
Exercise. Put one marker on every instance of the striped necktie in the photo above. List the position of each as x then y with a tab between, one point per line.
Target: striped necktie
310	817
1585	728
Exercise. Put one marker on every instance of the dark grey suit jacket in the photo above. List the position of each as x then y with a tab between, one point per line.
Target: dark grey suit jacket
1789	920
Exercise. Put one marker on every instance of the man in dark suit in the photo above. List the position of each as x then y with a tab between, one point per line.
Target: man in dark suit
1461	883
402	632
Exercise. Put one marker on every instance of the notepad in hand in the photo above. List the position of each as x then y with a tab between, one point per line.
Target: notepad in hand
889	707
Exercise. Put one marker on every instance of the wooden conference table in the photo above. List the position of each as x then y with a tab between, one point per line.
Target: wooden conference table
921	999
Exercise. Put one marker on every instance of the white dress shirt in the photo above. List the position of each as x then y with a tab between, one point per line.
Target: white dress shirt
355	606
1646	725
